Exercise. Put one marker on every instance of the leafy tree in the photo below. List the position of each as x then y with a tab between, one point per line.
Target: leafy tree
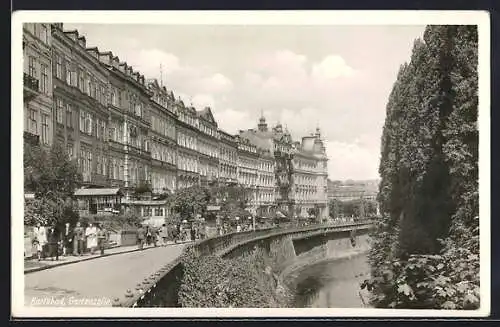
52	177
233	200
189	202
425	252
335	208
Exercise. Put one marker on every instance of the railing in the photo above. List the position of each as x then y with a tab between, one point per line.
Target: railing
31	82
221	245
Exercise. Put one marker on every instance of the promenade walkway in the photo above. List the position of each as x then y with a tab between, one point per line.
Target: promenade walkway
100	277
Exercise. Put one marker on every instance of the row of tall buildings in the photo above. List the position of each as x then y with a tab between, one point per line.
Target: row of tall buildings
132	134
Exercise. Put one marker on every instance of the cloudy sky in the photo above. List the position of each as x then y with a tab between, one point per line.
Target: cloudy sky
334	77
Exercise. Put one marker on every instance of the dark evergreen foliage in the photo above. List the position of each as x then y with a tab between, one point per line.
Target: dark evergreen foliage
425	252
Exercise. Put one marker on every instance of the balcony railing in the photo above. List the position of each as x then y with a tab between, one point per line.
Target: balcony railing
31	82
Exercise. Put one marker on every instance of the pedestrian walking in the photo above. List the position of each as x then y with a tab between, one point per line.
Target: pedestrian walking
148	236
53	242
79	239
40	241
91	235
67	240
175	233
163	235
101	238
141	234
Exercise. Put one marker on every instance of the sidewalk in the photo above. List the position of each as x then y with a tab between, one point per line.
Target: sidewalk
33	265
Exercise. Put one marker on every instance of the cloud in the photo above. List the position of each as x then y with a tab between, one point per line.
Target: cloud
231	121
351	161
216	83
148	62
201	101
330	68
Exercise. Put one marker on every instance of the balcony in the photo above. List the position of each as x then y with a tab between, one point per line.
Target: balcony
31	87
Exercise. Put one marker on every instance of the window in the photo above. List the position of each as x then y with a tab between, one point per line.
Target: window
121	170
104	166
120	133
45	129
99	163
88	123
32	66
158	211
98	129
88	85
69	73
82	121
93	91
112	132
69	148
58	66
113	97
69	116
138	110
103	94
81	80
103	129
43	34
32	126
44	82
59	110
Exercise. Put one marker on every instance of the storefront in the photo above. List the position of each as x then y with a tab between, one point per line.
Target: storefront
99	201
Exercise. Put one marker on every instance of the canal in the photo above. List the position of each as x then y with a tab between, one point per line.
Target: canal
332	284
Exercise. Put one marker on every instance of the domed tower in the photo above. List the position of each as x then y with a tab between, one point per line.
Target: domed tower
262	126
278	128
318	133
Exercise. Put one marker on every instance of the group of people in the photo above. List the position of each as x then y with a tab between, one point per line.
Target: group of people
228	229
51	242
147	235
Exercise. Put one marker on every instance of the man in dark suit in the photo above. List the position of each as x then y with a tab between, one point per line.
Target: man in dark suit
101	238
53	242
79	238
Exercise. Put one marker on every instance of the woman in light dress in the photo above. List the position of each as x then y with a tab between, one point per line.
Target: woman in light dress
91	234
40	240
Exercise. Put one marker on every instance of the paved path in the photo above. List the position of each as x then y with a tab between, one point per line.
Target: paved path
104	278
32	265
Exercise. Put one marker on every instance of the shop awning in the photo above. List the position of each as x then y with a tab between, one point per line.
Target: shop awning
97	191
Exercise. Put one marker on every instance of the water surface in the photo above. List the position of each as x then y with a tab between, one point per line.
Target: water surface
332	284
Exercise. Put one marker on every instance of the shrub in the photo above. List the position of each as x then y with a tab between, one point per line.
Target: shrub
248	281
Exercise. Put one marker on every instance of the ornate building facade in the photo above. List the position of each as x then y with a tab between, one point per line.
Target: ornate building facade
37	83
133	134
163	140
80	112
